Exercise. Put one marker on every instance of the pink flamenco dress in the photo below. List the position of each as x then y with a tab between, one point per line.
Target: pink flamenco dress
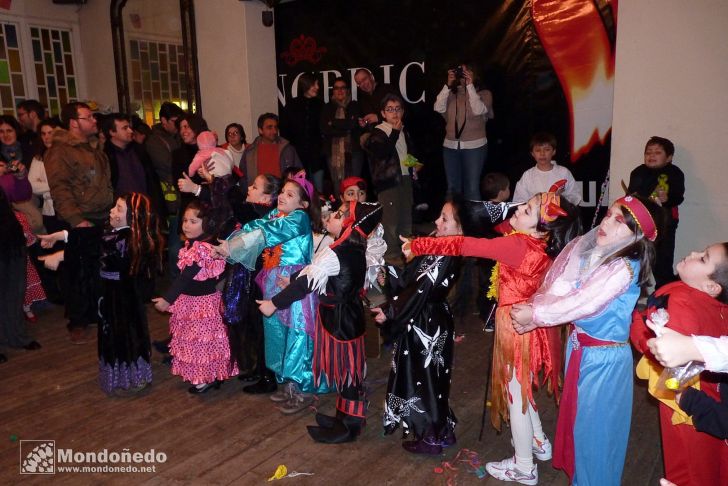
200	347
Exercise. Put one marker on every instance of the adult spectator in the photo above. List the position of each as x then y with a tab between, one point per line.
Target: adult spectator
164	140
300	125
17	158
370	96
269	153
189	126
140	130
388	146
466	110
340	129
160	144
30	114
235	142
79	177
38	178
131	168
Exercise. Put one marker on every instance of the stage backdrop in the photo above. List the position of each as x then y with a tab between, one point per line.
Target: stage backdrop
548	63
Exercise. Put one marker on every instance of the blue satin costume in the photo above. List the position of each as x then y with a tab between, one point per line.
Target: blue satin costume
287	333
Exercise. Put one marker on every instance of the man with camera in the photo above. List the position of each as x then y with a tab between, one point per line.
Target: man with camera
466	110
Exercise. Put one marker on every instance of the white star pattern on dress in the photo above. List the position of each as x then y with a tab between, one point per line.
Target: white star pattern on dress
433	346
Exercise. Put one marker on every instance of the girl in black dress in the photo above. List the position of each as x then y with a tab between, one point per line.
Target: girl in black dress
131	252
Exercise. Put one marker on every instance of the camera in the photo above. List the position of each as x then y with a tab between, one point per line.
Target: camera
459	72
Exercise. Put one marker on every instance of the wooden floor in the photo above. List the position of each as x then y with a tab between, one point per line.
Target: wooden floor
228	437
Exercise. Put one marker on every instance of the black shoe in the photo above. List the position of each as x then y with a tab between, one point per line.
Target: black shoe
267	384
346	429
327	421
249	377
196	390
162	346
32	346
3	358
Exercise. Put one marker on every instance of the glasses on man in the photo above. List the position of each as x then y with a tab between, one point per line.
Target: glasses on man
393	109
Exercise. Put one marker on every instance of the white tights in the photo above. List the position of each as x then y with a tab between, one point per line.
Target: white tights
524	427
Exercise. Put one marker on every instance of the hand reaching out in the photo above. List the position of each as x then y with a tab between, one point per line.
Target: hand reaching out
522	316
267	308
379	316
160	304
672	348
47	241
407	248
221	251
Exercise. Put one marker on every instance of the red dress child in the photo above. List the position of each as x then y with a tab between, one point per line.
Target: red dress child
691	458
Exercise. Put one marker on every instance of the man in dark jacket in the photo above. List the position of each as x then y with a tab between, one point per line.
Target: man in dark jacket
131	167
80	181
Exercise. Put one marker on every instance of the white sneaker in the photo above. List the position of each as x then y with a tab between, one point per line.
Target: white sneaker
542	450
505	470
284	393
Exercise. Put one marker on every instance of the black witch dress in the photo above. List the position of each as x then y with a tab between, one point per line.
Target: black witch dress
240	312
123	333
420	320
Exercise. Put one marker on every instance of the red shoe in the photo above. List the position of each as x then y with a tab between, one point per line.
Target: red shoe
30	317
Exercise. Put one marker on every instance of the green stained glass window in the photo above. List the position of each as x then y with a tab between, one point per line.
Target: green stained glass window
12	83
155	76
54	71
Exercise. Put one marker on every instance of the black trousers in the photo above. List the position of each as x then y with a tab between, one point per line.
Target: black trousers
12	289
80	276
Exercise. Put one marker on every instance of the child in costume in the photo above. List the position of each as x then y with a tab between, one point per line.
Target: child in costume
337	274
595	282
245	326
284	237
539	230
200	348
663	182
697	304
418	319
131	252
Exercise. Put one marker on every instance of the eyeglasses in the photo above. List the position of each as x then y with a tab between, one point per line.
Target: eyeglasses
339	87
393	109
85	118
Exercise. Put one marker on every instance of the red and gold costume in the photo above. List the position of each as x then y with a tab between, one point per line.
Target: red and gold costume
522	264
691	457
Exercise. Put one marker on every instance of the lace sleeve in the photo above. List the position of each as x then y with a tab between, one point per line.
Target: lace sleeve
564	302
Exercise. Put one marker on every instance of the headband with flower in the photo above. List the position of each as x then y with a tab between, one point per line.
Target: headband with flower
641	215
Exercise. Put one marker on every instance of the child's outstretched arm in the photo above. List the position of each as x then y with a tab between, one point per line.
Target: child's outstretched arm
510	251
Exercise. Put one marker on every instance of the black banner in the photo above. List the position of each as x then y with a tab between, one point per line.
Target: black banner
549	65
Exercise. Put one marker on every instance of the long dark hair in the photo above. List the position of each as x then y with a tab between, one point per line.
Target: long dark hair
561	230
146	244
12	239
642	250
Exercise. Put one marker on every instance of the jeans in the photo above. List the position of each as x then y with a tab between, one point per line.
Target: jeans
463	168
